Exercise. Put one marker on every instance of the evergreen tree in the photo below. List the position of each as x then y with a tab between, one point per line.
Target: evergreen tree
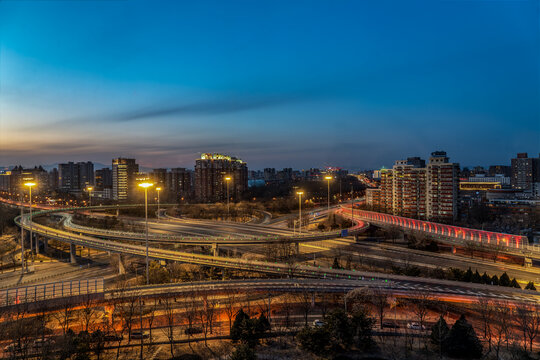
439	331
514	283
467	277
495	280
504	280
462	341
530	286
476	278
335	265
243	352
486	279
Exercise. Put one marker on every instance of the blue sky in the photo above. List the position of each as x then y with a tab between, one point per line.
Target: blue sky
356	84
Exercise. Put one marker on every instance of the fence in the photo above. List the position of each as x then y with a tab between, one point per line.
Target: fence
26	294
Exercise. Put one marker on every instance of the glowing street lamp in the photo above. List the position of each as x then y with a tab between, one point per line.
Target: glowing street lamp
328	178
29	185
145	186
89	189
158	190
228	180
299	193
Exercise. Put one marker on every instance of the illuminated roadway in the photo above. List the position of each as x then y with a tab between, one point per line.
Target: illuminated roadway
397	282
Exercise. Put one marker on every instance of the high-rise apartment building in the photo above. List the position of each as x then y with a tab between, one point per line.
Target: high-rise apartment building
124	172
103	179
73	177
210	173
412	189
525	172
179	184
442	188
18	176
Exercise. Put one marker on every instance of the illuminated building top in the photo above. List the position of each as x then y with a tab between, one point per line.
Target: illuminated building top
215	156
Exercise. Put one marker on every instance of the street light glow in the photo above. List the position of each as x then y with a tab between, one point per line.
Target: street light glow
158	189
146	185
227	178
30	184
89	188
328	178
299	193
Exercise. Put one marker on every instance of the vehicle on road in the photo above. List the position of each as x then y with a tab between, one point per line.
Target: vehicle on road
390	325
139	335
112	337
415	326
318	323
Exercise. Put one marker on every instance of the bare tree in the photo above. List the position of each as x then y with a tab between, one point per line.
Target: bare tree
528	320
486	311
501	327
189	311
128	312
304	299
206	315
151	317
170	320
230	304
87	313
64	315
379	299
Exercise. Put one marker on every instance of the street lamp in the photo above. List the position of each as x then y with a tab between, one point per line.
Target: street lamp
228	180
30	184
158	190
22	233
89	189
328	178
145	186
300	193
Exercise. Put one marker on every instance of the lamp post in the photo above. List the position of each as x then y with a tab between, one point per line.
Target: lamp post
300	193
145	186
22	235
89	189
30	184
328	178
228	180
158	189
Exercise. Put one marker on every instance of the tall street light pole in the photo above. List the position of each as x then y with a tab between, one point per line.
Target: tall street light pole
22	235
145	186
30	184
158	190
228	180
89	189
299	193
328	178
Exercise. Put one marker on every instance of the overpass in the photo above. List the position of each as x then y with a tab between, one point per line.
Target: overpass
289	270
454	235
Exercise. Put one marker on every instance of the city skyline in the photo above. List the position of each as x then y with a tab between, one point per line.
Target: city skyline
325	83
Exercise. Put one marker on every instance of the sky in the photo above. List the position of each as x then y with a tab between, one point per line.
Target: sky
280	83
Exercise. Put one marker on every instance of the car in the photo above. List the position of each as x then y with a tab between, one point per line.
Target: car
318	323
415	326
193	330
139	335
112	337
39	343
390	325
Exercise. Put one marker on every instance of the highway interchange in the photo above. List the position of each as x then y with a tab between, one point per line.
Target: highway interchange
316	277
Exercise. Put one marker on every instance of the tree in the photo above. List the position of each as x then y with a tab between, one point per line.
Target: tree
243	352
316	340
362	326
462	341
98	343
486	311
494	280
530	286
476	277
170	321
485	278
528	319
514	284
248	331
379	299
341	331
504	280
439	331
304	299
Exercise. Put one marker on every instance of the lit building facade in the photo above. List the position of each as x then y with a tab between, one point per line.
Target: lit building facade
124	172
210	173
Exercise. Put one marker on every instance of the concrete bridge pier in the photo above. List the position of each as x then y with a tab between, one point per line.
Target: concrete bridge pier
527	262
37	243
121	267
45	245
72	249
215	249
297	248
